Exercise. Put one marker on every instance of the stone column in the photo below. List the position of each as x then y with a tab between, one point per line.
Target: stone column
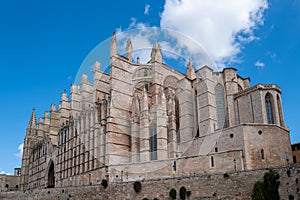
172	135
231	88
104	112
162	132
144	128
87	132
135	138
206	101
92	139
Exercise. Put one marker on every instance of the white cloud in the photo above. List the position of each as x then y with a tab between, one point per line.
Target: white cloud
221	27
20	148
147	9
208	32
139	38
3	172
173	44
259	64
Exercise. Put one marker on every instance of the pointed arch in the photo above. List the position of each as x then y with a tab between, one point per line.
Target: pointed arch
51	175
197	134
177	119
220	106
279	106
269	108
153	141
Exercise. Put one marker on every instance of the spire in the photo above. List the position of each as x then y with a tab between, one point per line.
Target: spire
190	72
129	50
156	55
113	45
32	122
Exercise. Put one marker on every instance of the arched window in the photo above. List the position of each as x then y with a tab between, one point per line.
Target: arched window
51	176
269	108
220	106
153	142
280	111
197	116
262	154
177	119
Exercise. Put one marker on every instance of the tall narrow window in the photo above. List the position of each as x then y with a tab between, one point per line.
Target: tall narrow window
280	111
238	112
294	159
197	117
269	109
212	161
262	154
220	106
252	109
153	142
177	119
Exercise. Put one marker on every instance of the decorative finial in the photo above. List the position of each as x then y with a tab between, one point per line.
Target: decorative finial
156	55
190	72
129	50
113	45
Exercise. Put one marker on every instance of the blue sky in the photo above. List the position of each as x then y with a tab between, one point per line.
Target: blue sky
43	43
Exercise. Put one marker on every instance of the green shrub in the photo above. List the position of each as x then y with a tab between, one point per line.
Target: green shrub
268	190
137	186
291	197
104	183
188	193
226	175
258	193
182	193
173	193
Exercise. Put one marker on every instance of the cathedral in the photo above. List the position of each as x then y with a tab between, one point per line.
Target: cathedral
145	121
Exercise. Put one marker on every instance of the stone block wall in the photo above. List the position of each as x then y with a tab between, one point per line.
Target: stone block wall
237	185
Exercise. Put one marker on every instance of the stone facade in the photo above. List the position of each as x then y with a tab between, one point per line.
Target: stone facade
296	152
9	182
141	120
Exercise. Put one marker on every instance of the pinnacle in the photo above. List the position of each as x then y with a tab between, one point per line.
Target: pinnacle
32	122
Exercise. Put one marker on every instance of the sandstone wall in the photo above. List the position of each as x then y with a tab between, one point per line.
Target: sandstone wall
238	185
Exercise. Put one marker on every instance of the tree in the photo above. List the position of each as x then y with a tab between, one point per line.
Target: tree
268	190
